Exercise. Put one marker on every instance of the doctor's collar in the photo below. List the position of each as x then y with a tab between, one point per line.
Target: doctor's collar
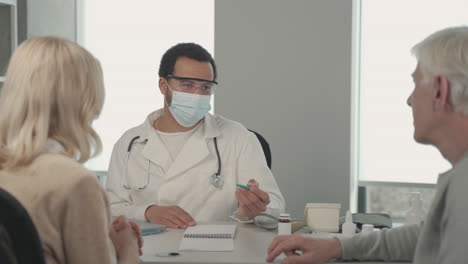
211	129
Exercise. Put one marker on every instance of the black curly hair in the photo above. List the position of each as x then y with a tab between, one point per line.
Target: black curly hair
189	50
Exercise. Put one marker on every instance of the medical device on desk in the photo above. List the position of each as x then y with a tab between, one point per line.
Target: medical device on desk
146	227
150	228
216	179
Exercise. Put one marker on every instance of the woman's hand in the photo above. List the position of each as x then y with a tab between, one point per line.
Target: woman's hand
126	239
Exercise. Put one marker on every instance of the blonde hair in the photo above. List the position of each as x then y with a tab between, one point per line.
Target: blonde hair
445	52
53	89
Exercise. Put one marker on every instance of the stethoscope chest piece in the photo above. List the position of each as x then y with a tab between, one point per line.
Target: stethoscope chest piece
217	180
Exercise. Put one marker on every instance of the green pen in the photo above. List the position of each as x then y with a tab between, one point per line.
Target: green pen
243	186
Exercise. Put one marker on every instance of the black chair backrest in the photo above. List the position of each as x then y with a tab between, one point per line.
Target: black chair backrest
265	147
7	255
19	237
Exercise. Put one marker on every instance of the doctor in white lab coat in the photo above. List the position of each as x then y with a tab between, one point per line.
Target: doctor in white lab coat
168	175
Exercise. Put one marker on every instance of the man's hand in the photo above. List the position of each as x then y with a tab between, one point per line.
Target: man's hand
253	201
170	216
313	250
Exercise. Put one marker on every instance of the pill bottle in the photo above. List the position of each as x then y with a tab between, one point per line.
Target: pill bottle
284	224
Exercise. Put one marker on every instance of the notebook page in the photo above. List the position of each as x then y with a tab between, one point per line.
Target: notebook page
208	238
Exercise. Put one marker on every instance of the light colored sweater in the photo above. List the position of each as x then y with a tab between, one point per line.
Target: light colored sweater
441	239
68	207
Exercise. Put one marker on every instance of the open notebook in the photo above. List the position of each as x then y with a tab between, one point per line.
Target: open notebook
208	238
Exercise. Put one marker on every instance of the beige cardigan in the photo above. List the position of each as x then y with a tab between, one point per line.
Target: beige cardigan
68	207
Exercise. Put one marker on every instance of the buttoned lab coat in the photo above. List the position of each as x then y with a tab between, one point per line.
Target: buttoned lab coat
186	182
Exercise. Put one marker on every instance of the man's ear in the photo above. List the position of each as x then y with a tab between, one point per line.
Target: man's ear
441	96
162	85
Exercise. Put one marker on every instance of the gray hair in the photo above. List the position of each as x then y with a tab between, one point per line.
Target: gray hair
445	52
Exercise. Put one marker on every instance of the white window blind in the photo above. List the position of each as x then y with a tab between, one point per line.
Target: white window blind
387	150
129	38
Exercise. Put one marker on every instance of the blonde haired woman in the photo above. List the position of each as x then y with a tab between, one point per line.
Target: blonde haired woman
52	93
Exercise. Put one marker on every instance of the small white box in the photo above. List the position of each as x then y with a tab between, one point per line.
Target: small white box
322	217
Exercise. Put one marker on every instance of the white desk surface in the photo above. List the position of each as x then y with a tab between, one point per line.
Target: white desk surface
250	246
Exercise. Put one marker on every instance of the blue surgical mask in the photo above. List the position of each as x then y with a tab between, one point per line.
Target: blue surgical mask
188	108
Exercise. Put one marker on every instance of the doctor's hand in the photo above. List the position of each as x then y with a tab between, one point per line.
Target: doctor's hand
253	201
313	250
170	216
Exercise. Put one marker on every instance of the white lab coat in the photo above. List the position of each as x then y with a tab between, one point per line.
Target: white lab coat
186	181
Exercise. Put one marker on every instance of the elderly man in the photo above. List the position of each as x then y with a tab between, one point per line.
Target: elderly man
440	110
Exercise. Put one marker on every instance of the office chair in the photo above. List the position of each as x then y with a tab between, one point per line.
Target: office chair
6	251
265	147
19	240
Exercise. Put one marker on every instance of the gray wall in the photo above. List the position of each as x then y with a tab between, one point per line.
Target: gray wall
5	37
38	18
22	20
52	18
6	33
285	71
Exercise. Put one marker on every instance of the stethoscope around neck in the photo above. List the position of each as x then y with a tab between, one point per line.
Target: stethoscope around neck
217	180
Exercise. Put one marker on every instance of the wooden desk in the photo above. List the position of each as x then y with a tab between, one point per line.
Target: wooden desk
250	246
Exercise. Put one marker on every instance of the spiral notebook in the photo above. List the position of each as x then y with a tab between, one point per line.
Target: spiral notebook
208	238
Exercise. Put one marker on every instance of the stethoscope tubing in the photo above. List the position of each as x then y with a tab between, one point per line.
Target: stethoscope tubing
215	178
129	150
217	154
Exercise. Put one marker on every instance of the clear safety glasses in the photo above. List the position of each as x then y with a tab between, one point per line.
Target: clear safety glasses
193	85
